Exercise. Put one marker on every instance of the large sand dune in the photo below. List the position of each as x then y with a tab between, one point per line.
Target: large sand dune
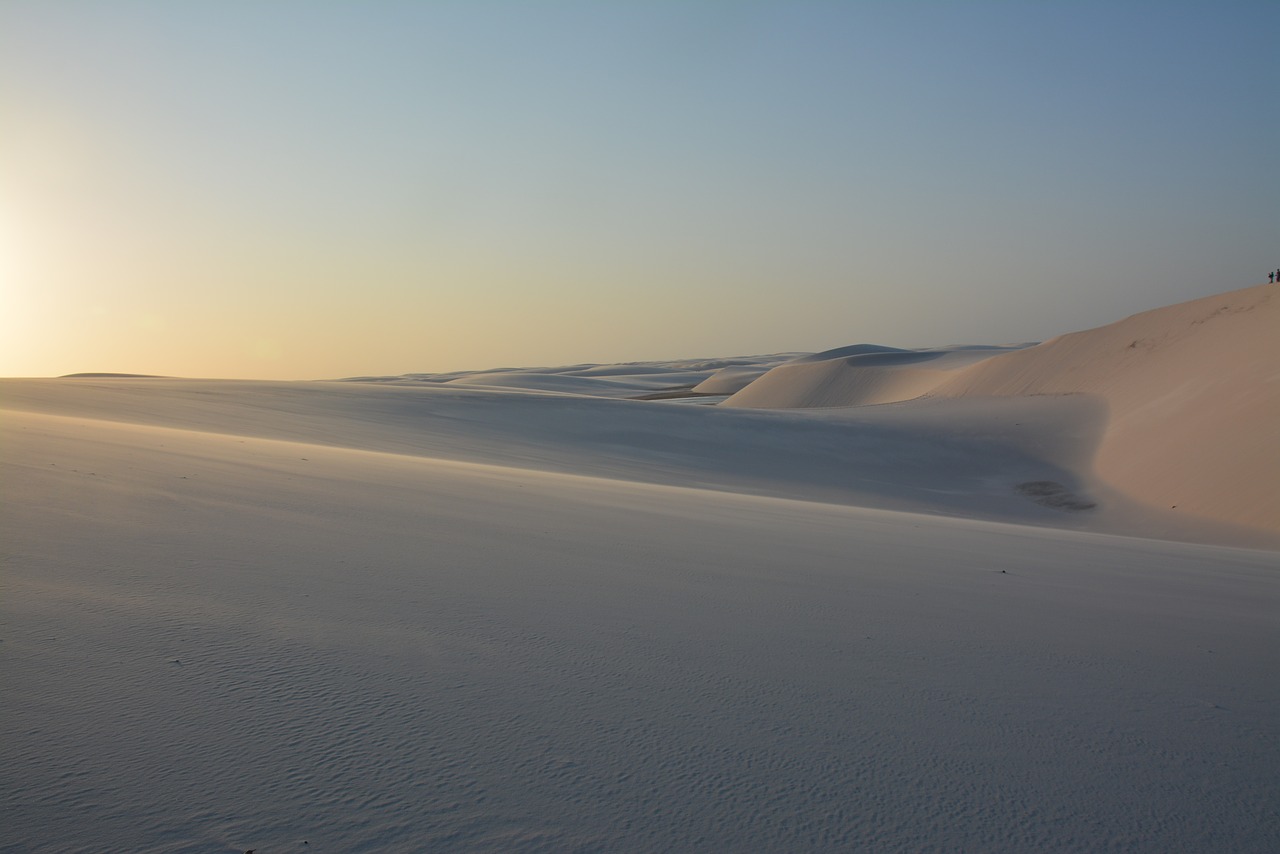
502	611
1191	392
1193	399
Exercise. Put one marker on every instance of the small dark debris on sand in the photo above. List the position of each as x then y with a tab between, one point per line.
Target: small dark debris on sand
1050	493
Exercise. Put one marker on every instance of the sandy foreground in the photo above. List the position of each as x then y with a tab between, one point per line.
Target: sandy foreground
1018	598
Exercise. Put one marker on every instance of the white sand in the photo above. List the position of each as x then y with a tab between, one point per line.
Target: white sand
421	614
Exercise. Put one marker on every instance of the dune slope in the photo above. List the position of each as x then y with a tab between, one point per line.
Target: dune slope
1193	398
215	642
930	464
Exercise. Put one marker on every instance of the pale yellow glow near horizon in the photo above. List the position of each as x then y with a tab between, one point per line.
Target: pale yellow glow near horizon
16	310
8	255
299	191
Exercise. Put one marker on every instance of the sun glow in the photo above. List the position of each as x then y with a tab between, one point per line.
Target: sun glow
9	278
19	327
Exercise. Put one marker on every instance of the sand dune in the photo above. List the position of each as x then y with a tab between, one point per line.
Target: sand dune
603	386
1192	393
730	380
634	379
519	610
1193	397
859	375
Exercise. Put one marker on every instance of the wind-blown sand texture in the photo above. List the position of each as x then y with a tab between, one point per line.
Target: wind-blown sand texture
524	610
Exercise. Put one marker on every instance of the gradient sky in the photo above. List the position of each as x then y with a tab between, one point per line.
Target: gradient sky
320	189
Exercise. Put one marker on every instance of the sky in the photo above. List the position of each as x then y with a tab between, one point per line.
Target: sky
284	189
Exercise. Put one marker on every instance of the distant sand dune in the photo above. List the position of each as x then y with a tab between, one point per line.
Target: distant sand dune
730	380
860	375
109	375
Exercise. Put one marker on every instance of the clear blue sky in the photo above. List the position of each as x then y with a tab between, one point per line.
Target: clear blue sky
315	189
